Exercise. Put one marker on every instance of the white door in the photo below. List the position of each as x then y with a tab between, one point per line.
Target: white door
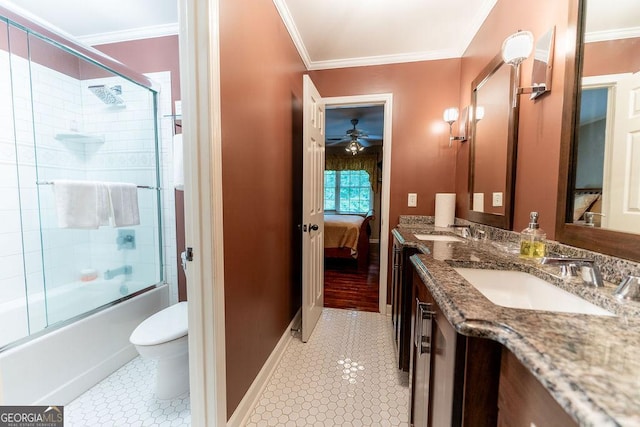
312	208
621	205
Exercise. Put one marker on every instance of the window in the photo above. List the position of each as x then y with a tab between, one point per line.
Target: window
347	191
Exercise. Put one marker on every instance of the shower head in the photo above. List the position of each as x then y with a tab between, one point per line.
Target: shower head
108	95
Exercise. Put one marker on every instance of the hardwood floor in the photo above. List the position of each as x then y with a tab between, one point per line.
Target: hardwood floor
346	287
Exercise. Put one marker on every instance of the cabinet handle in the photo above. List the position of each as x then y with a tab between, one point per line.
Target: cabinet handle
424	326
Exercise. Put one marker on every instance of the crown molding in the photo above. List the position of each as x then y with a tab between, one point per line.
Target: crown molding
457	52
290	24
616	34
472	30
384	59
132	34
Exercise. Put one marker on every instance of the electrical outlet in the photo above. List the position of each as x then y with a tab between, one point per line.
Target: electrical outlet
412	201
497	199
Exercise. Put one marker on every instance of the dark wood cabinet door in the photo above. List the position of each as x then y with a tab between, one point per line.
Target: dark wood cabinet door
523	401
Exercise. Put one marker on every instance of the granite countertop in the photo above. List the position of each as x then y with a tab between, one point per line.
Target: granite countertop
589	364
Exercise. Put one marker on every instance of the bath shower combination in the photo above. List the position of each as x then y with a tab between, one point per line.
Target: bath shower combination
85	282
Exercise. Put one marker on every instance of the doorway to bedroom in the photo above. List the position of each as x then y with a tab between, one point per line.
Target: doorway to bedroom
353	178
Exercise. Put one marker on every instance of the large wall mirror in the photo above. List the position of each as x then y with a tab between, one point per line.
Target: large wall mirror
493	131
601	153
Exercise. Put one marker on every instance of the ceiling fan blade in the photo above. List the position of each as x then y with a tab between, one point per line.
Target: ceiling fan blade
332	142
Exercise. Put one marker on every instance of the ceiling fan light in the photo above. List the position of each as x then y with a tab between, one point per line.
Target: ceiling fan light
354	147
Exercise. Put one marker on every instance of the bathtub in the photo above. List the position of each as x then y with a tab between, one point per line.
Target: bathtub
62	303
56	367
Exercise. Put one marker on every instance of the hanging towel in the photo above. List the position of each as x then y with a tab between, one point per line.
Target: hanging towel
81	204
178	162
124	204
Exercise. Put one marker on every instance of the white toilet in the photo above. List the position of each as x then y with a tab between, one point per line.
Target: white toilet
163	337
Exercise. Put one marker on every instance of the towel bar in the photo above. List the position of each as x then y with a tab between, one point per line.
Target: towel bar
139	186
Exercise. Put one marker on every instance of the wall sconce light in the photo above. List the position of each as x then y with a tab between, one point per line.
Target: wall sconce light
516	48
479	113
450	115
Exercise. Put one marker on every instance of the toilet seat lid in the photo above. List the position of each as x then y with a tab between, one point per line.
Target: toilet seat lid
164	326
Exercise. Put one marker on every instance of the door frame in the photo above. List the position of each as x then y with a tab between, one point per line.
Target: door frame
200	83
386	100
610	82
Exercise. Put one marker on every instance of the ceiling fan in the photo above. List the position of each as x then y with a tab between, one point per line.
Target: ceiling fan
356	139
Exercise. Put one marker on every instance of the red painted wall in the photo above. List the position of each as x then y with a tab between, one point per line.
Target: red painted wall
261	84
149	56
422	161
612	57
540	122
40	52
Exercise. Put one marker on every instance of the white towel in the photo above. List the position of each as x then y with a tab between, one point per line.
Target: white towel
124	204
178	162
81	204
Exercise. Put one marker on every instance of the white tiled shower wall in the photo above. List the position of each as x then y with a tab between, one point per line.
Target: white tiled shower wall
60	103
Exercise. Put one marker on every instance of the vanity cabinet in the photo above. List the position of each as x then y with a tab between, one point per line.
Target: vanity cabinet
523	401
401	302
453	378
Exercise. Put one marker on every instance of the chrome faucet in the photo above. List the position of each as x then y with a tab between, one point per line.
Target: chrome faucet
569	267
465	230
110	274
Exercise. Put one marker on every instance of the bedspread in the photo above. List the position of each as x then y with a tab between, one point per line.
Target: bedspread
342	231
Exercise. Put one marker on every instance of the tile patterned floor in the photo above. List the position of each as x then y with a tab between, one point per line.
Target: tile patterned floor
344	376
125	398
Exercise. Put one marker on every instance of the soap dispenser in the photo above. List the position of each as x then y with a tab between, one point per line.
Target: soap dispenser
532	239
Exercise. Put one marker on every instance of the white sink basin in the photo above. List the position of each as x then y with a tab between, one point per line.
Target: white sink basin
438	237
517	289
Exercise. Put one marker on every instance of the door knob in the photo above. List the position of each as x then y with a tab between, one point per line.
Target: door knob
313	227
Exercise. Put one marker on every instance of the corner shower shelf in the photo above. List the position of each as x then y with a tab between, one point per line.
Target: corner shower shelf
71	136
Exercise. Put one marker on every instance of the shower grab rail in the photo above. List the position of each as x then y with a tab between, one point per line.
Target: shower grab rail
139	186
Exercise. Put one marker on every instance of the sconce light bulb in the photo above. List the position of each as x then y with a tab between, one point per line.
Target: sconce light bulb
451	115
517	47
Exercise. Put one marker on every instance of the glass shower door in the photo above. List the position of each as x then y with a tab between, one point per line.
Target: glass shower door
93	126
13	302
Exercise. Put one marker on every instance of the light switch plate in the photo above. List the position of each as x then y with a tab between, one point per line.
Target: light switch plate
412	200
497	199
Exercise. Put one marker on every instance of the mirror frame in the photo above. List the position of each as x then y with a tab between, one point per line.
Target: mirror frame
500	221
615	243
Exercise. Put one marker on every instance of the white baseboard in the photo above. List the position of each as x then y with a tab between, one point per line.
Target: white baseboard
389	308
241	415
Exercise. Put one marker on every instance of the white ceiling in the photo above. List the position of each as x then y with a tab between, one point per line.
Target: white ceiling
105	21
605	22
343	33
329	33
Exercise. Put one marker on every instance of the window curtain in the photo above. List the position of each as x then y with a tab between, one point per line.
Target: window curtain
365	162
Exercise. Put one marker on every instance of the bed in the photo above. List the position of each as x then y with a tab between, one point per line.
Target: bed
347	236
586	200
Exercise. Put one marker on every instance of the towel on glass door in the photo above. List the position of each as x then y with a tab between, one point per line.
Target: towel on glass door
81	204
124	204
